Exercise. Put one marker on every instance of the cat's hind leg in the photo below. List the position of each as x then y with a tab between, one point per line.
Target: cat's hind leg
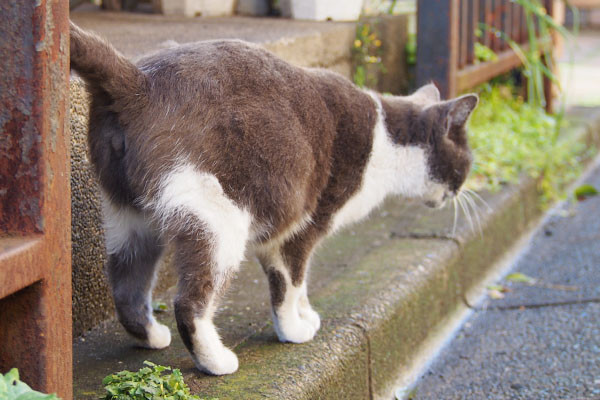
133	250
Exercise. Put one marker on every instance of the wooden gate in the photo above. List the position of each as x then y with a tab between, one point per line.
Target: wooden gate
446	42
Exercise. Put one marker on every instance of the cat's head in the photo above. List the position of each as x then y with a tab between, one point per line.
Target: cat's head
438	129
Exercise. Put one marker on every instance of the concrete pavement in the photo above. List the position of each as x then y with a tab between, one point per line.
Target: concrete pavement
542	341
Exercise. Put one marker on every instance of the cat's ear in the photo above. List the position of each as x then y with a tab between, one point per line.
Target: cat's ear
428	93
459	110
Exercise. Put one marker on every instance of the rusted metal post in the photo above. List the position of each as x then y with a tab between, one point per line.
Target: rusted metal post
35	219
437	44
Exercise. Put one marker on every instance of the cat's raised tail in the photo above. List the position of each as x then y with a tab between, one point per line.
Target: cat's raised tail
103	67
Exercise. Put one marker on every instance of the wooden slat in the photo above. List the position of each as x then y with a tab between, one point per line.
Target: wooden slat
495	44
485	19
463	35
516	23
473	15
506	21
474	75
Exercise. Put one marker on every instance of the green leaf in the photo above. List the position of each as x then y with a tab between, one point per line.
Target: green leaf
520	277
585	191
484	53
11	388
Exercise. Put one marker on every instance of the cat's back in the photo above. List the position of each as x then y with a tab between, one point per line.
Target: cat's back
237	112
222	70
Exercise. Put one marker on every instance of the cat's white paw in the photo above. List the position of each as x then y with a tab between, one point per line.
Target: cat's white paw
159	336
220	362
292	328
310	315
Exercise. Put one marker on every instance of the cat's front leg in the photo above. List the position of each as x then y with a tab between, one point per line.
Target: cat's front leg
306	311
294	319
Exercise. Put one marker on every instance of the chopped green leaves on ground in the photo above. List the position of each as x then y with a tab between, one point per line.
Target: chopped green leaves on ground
151	382
11	388
510	137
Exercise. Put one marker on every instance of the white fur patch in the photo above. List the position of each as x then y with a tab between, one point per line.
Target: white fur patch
210	354
119	224
186	190
159	335
392	169
294	320
306	311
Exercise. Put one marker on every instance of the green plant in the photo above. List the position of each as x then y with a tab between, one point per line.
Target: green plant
483	53
410	49
536	57
510	137
366	55
147	383
11	388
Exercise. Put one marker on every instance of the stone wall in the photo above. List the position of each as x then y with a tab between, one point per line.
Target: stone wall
91	298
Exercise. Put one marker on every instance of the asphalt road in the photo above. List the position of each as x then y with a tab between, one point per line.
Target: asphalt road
542	340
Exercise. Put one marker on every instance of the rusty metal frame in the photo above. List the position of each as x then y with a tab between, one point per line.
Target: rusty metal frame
35	212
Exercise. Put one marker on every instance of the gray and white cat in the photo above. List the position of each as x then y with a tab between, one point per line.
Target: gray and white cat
225	150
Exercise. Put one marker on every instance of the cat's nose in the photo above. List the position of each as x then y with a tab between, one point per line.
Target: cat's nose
431	204
434	204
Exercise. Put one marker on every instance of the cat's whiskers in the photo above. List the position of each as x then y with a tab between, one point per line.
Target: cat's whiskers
478	197
454	200
475	209
464	209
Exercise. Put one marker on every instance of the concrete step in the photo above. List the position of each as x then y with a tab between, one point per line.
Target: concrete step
305	43
381	288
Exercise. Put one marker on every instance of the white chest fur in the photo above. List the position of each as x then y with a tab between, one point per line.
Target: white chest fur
391	169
